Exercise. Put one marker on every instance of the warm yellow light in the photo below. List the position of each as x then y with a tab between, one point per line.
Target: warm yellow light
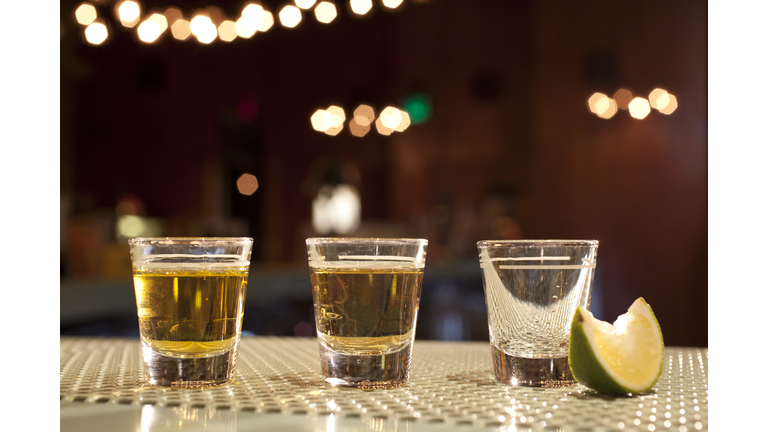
304	4
606	108
181	29
594	99
321	120
669	104
334	130
639	108
247	184
357	129
85	14
252	17
654	96
203	28
255	13
160	20
623	97
96	33
129	13
405	121
383	129
148	31
337	120
361	7
391	117
269	19
392	3
325	12
172	14
290	16
364	115
338	115
227	31
245	27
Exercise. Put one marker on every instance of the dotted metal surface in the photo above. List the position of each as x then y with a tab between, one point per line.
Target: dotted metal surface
451	384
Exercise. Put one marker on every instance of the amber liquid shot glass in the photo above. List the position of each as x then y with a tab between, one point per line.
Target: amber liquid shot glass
366	296
189	299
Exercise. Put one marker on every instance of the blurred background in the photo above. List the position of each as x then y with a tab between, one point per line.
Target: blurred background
451	120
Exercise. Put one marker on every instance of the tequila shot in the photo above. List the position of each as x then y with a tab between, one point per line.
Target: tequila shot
366	296
189	298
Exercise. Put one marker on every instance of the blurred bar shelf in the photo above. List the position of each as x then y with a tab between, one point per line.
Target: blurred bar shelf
278	386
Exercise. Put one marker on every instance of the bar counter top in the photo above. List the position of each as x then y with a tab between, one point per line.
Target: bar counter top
278	387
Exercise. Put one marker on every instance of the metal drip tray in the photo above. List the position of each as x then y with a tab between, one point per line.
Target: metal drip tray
278	386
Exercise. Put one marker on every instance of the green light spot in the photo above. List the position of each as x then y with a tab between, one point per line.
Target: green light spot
418	106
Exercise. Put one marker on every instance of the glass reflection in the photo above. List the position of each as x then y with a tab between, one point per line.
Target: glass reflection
154	419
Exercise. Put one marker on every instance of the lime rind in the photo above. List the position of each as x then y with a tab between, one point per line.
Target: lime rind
589	368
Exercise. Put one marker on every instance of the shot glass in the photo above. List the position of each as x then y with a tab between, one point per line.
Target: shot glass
532	289
366	295
189	297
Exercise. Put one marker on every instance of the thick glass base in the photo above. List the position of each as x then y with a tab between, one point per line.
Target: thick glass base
527	372
166	371
366	371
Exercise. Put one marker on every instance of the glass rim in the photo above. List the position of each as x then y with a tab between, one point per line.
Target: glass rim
502	243
186	240
364	240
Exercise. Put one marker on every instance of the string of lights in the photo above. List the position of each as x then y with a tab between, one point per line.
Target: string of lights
331	120
605	107
209	24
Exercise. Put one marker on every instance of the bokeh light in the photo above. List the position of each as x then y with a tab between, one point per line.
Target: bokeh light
360	7
623	97
203	28
392	3
305	4
96	33
250	21
290	16
227	31
337	209
129	13
85	14
325	12
356	129
418	106
667	104
390	117
654	96
247	184
338	115
337	120
384	130
181	29
148	31
269	20
405	121
639	108
364	115
321	120
160	20
606	108
594	99
172	14
215	13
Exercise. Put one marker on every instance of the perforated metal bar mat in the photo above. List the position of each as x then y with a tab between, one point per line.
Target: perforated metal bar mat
451	386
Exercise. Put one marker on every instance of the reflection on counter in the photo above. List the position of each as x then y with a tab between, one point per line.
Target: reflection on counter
188	419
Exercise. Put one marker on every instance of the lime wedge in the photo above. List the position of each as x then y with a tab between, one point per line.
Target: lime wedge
624	357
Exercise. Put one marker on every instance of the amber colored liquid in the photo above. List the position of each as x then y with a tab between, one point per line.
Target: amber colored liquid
366	310
190	311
